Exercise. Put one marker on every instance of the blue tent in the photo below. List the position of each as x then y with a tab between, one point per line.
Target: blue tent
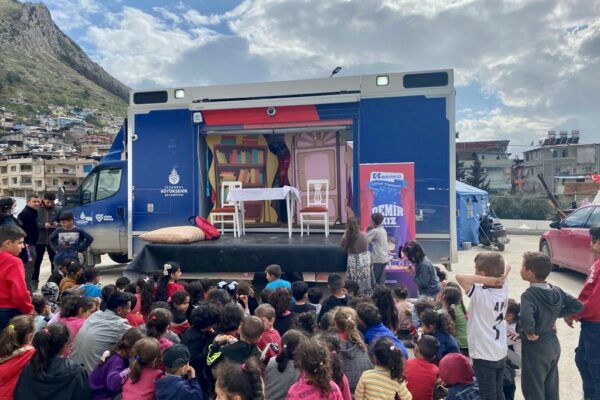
471	202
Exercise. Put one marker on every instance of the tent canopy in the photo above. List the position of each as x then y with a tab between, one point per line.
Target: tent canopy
471	202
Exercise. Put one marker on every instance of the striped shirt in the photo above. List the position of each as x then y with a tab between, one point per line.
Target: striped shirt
377	384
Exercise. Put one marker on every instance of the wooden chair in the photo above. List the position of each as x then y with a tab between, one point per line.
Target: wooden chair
226	213
317	202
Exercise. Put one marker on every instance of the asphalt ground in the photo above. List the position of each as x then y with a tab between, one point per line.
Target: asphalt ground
570	281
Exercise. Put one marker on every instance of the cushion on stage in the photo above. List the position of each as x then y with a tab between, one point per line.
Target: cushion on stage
174	234
314	209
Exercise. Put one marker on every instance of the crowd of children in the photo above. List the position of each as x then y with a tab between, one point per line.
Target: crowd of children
162	338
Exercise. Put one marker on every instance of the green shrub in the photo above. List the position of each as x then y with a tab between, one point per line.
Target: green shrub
521	207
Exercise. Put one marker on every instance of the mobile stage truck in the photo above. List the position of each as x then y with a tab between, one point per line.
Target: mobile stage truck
384	142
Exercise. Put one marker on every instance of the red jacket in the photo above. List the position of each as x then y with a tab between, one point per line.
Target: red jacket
590	295
269	344
10	370
13	290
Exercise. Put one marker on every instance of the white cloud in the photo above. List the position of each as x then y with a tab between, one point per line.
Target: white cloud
166	14
74	14
195	17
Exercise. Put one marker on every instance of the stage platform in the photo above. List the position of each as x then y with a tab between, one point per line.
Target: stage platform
312	256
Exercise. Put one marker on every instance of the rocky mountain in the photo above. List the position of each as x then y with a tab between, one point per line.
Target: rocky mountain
40	65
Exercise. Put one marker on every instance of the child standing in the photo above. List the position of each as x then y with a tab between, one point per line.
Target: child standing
377	237
273	274
180	380
269	343
385	381
587	355
144	371
513	340
358	267
106	380
315	382
486	326
460	320
68	240
421	373
15	352
338	298
49	375
168	282
541	305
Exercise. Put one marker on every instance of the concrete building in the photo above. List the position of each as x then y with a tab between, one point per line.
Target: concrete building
22	176
560	159
494	160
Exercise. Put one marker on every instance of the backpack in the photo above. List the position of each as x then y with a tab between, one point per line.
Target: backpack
210	232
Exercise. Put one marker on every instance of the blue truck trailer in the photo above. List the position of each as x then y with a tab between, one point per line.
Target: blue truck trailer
177	145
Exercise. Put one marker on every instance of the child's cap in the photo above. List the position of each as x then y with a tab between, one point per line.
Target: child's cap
456	369
176	356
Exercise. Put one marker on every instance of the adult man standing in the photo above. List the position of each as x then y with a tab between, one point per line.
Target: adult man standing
28	218
47	220
101	331
14	298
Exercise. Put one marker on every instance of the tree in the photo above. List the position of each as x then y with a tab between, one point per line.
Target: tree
461	173
477	177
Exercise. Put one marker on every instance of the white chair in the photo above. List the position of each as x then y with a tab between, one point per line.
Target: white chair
317	202
226	214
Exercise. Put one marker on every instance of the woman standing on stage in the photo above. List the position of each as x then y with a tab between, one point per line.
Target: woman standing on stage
359	268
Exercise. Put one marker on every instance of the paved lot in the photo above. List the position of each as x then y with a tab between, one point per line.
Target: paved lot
571	282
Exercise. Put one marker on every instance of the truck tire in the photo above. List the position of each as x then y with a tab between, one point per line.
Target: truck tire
120	258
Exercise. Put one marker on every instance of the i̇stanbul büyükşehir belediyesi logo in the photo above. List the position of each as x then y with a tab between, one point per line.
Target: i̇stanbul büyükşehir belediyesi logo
174	177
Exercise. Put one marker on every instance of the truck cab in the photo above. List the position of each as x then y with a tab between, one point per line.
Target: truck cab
99	206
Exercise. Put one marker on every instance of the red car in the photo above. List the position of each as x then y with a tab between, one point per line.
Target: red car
568	242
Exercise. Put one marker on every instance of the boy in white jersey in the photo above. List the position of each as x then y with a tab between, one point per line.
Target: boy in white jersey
486	327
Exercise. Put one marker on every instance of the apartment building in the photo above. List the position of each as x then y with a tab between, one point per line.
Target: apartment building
20	177
494	158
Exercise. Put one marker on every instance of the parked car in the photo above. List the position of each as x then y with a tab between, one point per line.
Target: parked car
567	243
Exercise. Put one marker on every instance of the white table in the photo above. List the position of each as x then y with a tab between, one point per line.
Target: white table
287	193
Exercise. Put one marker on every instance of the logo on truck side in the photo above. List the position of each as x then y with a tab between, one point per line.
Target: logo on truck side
174	177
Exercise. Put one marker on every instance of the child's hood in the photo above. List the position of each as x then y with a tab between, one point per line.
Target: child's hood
550	298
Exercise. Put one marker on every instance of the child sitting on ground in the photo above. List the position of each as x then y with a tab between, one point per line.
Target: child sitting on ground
441	327
179	303
225	348
122	283
513	340
334	345
460	320
43	312
315	295
60	271
386	379
269	343
369	319
180	380
421	373
300	295
315	381
157	327
273	275
106	380
335	283
15	352
144	371
404	309
168	283
239	381
91	287
457	373
541	305
281	372
70	279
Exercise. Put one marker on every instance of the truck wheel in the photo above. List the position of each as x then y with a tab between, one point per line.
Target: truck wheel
120	258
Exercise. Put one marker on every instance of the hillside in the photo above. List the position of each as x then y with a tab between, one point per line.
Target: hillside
40	65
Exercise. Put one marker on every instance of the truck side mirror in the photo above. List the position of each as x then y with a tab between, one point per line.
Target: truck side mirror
86	197
61	195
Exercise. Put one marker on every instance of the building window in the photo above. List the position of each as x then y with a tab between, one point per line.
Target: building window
54	182
3	170
14	181
554	153
5	182
38	183
565	153
587	168
26	180
25	168
13	168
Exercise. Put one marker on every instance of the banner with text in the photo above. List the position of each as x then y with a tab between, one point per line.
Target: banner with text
389	189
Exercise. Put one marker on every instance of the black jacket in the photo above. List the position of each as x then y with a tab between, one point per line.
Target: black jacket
28	218
63	379
197	342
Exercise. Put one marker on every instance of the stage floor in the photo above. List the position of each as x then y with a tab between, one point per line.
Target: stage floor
240	258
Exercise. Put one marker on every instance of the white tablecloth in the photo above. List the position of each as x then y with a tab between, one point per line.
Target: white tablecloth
255	194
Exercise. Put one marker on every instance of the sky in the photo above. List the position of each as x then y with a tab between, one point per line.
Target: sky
522	67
